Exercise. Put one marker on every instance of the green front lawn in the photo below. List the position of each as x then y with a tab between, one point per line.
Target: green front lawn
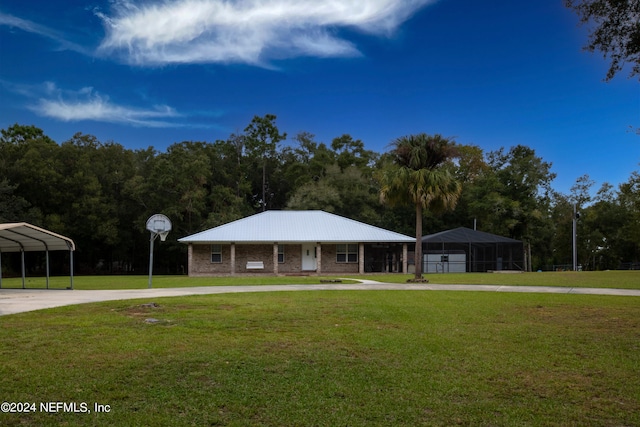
595	279
142	282
331	358
621	279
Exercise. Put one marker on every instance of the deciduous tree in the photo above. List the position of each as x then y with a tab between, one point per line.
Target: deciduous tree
614	31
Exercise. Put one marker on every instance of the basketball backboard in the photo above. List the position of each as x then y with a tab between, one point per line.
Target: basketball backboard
159	224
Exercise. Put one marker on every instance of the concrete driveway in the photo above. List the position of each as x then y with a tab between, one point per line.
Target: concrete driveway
20	300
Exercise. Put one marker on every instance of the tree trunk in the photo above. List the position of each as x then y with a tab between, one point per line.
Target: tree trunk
418	250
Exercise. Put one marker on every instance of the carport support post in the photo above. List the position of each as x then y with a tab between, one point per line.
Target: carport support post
46	255
23	269
360	258
0	269
71	266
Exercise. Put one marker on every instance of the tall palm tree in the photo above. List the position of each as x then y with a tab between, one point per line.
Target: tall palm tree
418	175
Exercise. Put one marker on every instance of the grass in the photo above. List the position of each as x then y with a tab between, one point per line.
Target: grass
142	282
332	358
599	279
621	279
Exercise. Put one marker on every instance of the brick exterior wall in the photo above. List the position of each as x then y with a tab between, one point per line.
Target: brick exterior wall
245	253
200	260
292	260
330	265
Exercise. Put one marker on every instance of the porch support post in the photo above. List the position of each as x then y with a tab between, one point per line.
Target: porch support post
361	258
232	258
275	258
318	258
404	258
190	259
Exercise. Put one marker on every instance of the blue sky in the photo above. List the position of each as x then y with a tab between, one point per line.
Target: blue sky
493	73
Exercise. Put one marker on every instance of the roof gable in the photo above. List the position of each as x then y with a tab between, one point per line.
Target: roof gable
466	235
295	227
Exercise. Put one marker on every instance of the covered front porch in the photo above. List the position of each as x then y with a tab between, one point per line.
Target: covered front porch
297	258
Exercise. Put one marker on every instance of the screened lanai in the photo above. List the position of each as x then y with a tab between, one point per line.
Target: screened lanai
22	237
465	250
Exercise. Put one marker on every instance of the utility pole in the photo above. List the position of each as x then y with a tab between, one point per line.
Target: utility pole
576	215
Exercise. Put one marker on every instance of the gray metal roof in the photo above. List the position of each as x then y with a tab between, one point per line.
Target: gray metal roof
466	235
296	227
22	236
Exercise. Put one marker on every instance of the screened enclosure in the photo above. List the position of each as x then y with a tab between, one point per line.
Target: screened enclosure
466	250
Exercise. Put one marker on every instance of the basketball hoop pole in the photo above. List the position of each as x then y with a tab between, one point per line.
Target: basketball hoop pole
153	237
158	225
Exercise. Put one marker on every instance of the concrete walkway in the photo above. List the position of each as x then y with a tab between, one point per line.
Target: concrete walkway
20	300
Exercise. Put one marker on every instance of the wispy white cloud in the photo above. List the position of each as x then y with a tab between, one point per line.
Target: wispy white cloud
48	100
246	31
35	28
88	104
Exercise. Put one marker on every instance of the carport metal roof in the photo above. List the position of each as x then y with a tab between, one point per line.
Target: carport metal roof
24	237
20	236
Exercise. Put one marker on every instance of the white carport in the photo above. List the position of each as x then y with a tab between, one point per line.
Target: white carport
22	237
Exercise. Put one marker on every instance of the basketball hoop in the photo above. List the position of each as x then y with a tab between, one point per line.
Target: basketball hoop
158	225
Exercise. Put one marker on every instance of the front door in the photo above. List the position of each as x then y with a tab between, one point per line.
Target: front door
309	262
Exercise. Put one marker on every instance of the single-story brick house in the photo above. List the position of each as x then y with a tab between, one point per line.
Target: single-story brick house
294	242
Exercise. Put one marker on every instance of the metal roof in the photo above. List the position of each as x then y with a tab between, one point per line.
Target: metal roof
296	227
15	237
466	235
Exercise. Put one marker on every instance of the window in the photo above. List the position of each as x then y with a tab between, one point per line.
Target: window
216	254
280	254
347	253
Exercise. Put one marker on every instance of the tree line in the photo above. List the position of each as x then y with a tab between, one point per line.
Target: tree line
100	194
